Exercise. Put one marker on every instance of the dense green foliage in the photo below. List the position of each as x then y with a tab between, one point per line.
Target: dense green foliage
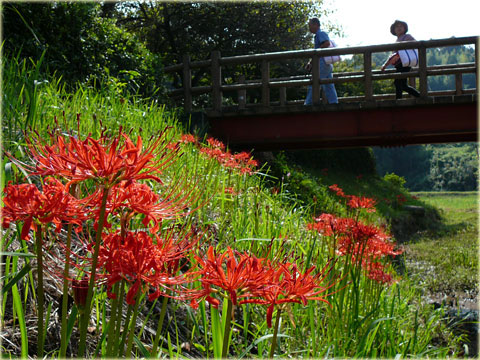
448	167
80	45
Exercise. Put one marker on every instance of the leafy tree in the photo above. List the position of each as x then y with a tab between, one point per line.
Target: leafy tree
454	167
234	28
175	29
80	44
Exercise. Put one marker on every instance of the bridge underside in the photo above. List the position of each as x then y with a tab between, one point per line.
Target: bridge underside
384	123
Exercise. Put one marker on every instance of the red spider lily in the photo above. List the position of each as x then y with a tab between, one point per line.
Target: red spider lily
104	160
129	198
375	271
26	203
288	285
188	138
367	240
139	261
231	191
242	162
337	190
215	143
401	199
365	244
239	276
328	225
356	202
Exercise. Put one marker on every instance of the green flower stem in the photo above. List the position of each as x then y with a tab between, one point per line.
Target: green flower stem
226	332
159	327
64	343
275	332
88	303
133	324
40	294
121	346
112	321
118	325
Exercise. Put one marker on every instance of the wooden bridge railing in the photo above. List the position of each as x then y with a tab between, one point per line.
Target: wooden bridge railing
367	76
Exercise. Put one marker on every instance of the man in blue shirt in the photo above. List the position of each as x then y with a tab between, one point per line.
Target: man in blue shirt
321	41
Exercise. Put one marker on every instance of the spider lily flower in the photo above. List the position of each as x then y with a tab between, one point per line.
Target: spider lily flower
142	263
376	271
127	199
106	161
288	285
356	202
25	202
337	190
224	271
242	162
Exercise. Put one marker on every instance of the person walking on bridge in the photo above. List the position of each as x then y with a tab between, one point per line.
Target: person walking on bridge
321	40
410	57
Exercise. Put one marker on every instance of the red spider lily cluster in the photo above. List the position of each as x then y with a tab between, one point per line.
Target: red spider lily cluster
401	199
364	244
355	202
241	162
144	262
106	161
116	166
112	187
25	202
244	278
215	149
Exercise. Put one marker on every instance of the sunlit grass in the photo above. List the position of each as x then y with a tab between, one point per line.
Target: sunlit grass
447	258
246	212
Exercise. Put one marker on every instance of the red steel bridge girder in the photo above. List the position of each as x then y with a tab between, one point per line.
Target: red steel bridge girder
384	126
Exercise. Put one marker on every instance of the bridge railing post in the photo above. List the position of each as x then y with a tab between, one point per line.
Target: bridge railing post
216	81
477	55
283	96
265	83
367	70
458	84
187	83
242	94
315	78
422	70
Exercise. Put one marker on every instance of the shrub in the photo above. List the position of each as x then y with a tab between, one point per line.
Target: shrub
395	181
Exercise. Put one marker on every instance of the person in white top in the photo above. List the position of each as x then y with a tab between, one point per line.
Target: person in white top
400	29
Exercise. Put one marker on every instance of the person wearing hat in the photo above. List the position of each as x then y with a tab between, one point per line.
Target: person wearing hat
400	29
321	41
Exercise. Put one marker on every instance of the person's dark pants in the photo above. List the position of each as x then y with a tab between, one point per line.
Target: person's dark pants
401	84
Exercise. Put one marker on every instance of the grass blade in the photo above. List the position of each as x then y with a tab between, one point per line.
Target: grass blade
16	278
17	305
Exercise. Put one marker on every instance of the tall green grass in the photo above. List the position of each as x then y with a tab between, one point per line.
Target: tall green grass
365	320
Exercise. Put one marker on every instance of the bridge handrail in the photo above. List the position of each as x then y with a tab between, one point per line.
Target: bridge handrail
368	75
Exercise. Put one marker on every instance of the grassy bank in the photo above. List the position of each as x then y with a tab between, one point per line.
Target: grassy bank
260	264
